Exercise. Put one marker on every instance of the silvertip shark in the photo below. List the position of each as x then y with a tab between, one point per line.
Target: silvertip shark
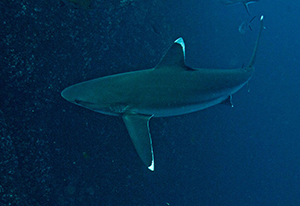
171	88
244	2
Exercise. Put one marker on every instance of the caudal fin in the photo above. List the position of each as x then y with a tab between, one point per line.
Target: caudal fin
252	60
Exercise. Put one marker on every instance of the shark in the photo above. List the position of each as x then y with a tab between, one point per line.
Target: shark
244	2
170	88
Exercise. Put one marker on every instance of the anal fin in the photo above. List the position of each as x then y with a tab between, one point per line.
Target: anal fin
228	101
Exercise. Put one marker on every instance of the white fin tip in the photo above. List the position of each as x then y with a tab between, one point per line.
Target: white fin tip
262	17
151	167
181	42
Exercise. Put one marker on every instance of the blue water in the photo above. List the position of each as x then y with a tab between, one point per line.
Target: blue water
56	153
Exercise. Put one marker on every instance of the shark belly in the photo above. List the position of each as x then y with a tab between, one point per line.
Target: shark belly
179	110
179	103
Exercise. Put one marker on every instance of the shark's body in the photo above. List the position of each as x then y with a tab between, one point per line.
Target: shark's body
244	2
171	88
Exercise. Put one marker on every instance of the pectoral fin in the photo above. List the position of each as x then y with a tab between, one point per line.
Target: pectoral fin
138	129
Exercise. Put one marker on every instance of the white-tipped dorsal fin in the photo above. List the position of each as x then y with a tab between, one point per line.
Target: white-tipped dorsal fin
181	42
174	57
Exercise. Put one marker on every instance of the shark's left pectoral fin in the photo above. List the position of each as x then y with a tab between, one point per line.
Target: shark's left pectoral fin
138	129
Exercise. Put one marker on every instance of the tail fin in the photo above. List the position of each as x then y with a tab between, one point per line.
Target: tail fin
251	63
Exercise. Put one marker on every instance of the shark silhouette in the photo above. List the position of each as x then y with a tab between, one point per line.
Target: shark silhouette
245	2
171	88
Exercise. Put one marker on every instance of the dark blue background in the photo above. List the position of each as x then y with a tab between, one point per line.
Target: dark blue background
55	153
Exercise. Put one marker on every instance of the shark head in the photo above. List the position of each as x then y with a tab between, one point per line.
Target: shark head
96	95
78	94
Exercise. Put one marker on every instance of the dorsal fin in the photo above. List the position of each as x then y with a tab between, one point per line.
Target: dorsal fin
174	57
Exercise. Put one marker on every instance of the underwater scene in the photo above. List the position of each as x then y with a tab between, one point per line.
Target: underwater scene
149	103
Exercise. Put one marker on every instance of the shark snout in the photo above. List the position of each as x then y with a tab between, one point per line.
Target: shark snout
66	94
73	95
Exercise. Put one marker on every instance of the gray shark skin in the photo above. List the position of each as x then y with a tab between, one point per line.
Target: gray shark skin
171	88
244	2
